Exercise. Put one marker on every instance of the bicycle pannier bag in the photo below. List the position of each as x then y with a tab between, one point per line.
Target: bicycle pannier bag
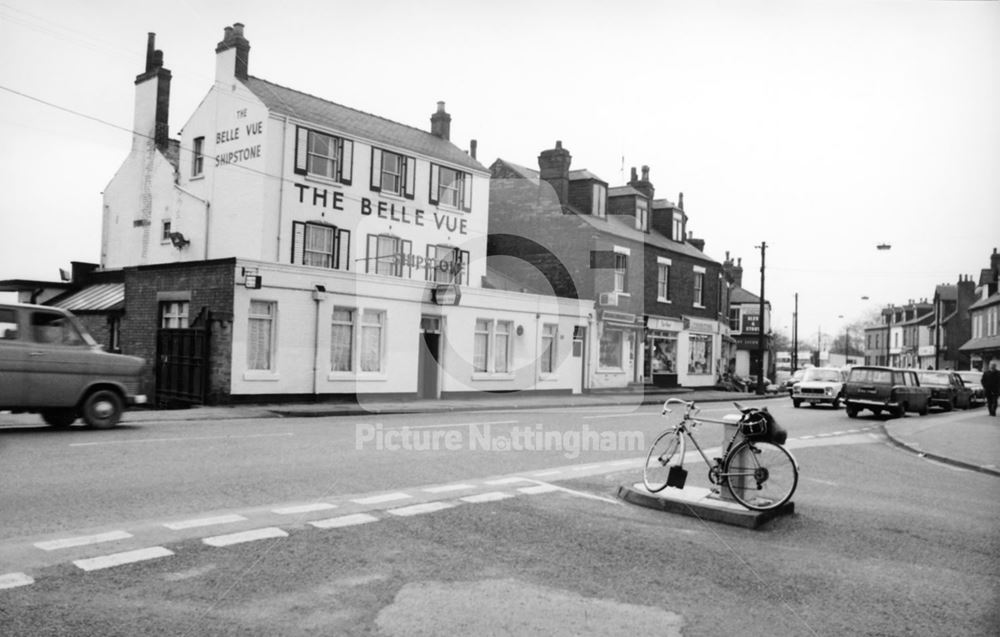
761	425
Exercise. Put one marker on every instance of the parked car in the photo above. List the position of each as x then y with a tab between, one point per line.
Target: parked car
947	390
885	390
789	382
50	365
973	380
819	385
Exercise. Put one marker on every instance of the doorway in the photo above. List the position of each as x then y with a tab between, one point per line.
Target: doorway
428	359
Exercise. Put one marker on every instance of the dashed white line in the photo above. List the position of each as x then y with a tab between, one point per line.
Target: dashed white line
83	540
245	536
512	480
489	496
449	487
344	520
13	580
304	508
385	497
539	488
551	472
193	524
127	557
417	509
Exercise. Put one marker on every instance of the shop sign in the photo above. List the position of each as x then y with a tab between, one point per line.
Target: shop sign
694	325
448	294
751	324
618	317
664	325
926	350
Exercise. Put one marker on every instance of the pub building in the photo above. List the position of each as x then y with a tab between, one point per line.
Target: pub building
289	246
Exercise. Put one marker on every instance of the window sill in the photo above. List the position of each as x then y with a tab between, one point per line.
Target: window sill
197	177
610	370
261	375
361	377
698	305
547	377
489	376
319	179
660	299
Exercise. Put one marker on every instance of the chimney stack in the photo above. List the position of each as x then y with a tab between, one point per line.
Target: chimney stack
152	108
234	40
473	144
441	123
642	185
553	166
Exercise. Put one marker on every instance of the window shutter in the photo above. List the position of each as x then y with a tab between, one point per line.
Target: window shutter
343	249
432	196
466	192
376	170
298	241
410	178
428	270
301	150
335	250
346	161
406	250
464	273
372	253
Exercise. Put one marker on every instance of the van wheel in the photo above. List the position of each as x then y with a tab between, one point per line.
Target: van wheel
796	402
59	417
102	409
852	411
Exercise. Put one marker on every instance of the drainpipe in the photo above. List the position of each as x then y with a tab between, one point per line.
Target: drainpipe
281	193
318	295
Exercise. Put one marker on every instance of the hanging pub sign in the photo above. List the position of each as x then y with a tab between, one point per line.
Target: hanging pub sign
751	324
446	294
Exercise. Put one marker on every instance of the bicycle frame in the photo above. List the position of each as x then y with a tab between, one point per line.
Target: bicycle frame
690	419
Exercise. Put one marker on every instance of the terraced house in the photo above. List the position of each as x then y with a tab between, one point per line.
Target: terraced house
287	245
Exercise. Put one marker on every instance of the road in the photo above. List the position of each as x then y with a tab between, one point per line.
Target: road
447	524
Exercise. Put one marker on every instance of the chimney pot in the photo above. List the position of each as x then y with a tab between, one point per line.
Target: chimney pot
441	123
472	147
645	173
227	34
238	29
150	47
558	143
635	175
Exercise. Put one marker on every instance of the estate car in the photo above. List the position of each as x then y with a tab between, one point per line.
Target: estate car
885	390
50	365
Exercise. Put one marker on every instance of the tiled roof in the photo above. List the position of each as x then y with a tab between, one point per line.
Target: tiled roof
990	300
981	343
583	173
663	203
350	122
98	297
946	292
740	295
624	227
620	191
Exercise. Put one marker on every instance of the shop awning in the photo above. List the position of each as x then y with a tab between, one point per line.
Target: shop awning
101	297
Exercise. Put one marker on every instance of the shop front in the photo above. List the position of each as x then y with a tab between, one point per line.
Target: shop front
660	360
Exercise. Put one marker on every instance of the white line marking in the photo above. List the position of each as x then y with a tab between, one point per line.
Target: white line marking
193	524
127	557
180	439
539	488
13	580
83	540
385	497
506	481
304	508
629	414
344	520
551	472
245	536
442	425
417	509
449	487
490	496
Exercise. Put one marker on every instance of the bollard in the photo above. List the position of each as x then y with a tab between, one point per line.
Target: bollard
730	426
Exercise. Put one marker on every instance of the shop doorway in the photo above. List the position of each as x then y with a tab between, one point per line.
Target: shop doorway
428	359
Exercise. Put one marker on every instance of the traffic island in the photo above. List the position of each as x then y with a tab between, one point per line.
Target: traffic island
701	503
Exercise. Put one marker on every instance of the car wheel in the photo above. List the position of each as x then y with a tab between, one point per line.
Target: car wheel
102	409
59	417
852	411
796	403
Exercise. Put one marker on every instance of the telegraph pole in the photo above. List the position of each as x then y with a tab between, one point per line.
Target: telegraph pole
760	335
795	335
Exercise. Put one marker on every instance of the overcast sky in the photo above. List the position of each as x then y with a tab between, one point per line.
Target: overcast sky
822	128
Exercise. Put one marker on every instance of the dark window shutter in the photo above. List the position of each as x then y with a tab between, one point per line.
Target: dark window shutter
346	161
372	253
466	191
376	184
335	250
343	249
432	196
301	150
410	178
298	241
406	254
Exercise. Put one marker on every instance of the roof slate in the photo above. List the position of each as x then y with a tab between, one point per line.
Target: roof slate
351	122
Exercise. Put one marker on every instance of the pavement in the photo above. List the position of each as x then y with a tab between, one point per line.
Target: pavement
968	439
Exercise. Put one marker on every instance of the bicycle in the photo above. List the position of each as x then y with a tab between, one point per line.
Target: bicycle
759	472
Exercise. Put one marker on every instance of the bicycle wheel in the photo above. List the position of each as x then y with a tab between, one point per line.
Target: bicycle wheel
664	449
761	475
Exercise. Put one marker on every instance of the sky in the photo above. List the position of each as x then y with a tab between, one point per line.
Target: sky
819	128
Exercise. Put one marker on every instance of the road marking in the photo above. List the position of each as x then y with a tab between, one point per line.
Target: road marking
511	480
490	496
304	508
127	557
193	524
344	520
551	472
83	540
449	487
245	536
13	580
417	509
179	439
539	488
442	425
629	414
385	497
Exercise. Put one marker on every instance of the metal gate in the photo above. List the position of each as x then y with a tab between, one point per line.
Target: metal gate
182	357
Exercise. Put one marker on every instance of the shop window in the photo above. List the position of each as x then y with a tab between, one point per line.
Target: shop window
320	155
663	355
260	335
612	342
321	245
700	361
